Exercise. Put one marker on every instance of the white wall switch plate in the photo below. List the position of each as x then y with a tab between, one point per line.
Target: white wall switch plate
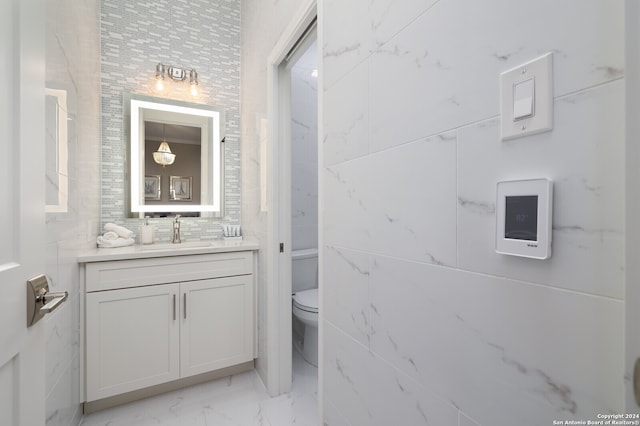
523	99
526	98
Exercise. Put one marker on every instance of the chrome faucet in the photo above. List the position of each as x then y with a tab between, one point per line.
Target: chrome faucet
176	230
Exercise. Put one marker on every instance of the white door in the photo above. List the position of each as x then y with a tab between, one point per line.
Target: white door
22	207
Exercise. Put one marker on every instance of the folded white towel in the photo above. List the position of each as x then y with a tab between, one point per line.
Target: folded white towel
120	230
118	242
110	235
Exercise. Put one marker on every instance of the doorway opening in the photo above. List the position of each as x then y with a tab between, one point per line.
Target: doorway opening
303	101
299	36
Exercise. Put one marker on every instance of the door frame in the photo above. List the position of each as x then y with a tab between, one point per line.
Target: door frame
632	197
278	282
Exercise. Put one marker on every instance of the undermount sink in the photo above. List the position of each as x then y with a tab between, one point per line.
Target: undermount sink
177	246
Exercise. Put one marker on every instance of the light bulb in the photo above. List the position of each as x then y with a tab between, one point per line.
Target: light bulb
193	81
159	76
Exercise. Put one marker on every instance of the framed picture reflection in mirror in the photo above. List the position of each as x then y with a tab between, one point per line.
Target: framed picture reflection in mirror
152	191
180	188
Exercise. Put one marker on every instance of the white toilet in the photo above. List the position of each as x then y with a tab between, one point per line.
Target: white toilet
305	299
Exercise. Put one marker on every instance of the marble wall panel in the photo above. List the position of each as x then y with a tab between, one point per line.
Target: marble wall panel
411	200
582	155
62	405
399	202
345	375
345	209
466	421
493	336
367	390
346	290
63	344
442	71
332	417
346	123
478	341
364	26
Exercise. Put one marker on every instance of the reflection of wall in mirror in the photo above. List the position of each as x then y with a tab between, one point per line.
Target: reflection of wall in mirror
187	164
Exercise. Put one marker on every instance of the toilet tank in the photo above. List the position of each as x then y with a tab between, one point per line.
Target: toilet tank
304	264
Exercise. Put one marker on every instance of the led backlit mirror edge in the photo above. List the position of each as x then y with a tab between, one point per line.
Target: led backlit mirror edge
133	104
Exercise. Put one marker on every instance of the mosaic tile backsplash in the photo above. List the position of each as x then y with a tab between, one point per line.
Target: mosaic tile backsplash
135	36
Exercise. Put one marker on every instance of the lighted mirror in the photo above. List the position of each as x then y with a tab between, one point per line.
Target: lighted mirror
176	157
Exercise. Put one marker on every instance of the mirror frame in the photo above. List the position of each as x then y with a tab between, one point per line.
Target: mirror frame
141	107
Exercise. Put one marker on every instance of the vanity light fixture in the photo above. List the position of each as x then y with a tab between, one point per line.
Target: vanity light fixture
163	155
193	82
176	74
160	77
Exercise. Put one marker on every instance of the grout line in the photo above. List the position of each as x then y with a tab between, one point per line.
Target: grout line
587	89
479	273
467	124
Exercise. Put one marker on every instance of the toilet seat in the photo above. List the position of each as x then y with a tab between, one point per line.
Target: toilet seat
307	300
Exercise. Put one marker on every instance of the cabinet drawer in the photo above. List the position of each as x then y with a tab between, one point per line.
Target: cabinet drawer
141	272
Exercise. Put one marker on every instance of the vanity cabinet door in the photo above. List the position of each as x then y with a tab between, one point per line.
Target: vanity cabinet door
132	338
216	323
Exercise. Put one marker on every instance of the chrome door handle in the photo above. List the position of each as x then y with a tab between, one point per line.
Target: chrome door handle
39	300
52	301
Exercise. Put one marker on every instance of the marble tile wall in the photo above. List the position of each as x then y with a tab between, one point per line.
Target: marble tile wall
135	36
412	287
304	152
72	69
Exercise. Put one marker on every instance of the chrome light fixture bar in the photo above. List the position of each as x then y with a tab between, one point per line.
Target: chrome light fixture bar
176	74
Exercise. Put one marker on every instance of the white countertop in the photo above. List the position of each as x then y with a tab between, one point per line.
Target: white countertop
138	251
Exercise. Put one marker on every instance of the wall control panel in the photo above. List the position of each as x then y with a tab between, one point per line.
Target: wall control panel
524	212
526	98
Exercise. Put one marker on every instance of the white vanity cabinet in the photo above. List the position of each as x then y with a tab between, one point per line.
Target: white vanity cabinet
216	324
132	339
157	320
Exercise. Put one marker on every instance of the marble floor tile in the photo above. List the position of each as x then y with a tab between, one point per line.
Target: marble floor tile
239	400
